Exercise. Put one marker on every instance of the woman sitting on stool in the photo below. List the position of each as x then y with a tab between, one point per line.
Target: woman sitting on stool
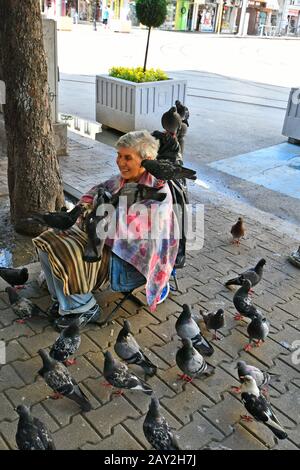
141	250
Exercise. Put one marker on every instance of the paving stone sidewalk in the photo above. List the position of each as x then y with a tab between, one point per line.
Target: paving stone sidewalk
204	413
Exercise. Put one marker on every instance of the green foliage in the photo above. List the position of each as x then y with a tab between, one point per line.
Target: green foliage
137	74
151	13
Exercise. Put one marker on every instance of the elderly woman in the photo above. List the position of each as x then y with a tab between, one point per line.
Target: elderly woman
140	251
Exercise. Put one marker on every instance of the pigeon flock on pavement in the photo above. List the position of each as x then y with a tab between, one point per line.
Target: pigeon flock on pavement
32	434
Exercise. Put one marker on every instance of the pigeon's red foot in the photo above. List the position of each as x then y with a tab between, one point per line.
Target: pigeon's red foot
21	321
216	337
118	393
236	389
248	347
258	343
56	396
250	291
70	362
185	377
19	287
238	317
264	391
106	384
247	418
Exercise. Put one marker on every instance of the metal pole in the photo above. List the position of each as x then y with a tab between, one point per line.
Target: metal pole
242	19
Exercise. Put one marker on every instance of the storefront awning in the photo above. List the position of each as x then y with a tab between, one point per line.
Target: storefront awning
272	5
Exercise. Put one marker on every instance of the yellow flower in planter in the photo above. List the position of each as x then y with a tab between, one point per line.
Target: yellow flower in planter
138	75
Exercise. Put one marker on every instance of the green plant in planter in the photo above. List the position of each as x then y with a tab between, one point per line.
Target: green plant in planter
138	74
151	13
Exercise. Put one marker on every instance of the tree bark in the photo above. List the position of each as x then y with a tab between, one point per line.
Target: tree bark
34	180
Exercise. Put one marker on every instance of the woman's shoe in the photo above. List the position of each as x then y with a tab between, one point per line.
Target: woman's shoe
91	316
164	294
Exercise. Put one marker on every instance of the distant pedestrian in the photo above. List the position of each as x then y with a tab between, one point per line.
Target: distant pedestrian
105	17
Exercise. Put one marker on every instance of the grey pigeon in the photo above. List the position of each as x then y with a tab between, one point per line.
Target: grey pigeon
258	407
118	375
23	307
169	148
243	302
67	343
171	121
181	133
191	362
186	327
257	330
254	275
14	277
57	376
32	434
156	429
129	351
183	112
238	230
261	378
214	321
166	170
58	220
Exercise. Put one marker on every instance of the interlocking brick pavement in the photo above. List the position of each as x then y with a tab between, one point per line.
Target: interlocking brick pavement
205	413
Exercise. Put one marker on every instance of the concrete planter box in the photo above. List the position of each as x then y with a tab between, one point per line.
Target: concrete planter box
128	106
291	126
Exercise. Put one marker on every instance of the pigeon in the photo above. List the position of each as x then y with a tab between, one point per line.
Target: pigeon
58	220
15	277
169	148
57	376
94	247
182	131
257	330
67	343
261	378
254	275
165	170
118	375
23	307
238	231
156	429
129	351
214	321
171	121
257	405
186	327
135	192
243	302
32	434
294	258
191	362
183	112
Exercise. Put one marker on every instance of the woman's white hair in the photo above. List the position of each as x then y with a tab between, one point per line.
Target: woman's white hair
142	142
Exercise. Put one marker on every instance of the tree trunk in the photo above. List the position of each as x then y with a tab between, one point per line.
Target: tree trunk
34	179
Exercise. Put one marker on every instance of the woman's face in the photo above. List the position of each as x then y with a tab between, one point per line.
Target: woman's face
129	163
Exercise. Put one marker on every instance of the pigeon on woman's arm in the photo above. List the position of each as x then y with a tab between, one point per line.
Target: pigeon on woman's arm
186	327
171	121
129	351
58	220
183	112
156	429
32	434
165	170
